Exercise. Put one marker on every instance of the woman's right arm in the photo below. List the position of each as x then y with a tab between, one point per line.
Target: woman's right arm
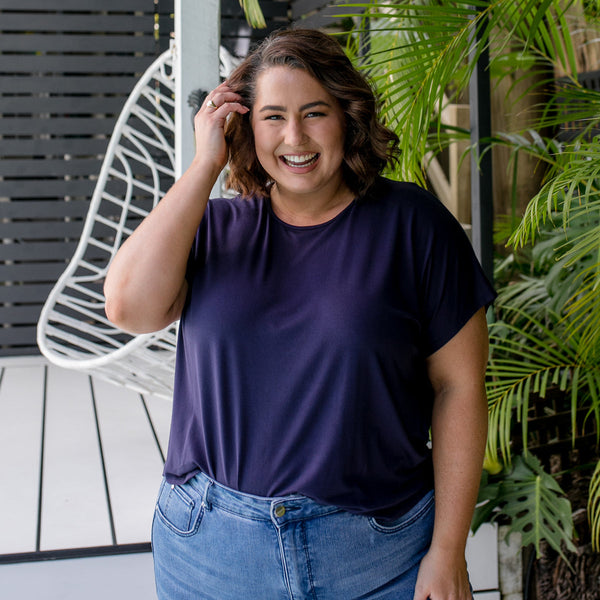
145	287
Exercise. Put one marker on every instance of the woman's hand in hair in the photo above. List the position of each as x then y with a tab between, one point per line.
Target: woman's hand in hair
209	126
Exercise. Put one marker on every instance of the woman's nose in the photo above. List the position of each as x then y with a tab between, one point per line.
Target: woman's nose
294	133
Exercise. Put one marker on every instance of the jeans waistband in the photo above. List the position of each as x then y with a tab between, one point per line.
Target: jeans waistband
280	509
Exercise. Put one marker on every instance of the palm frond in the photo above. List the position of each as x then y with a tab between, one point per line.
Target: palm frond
422	54
572	187
528	294
254	14
594	508
527	357
417	49
570	201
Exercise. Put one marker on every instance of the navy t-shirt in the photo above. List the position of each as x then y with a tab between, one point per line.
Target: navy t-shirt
301	353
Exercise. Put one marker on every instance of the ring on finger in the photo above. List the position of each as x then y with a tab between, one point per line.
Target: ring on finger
211	104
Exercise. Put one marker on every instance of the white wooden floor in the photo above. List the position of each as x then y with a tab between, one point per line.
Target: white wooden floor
80	461
120	577
80	465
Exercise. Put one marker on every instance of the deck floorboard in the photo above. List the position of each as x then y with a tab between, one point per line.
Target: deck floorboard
80	460
21	404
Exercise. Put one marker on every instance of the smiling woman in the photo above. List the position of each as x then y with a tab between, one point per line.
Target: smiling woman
330	319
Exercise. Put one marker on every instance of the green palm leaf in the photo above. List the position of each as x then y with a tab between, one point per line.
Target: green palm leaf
253	13
594	508
570	199
527	356
422	55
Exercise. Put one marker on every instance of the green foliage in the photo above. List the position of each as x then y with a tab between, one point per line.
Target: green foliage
537	342
253	13
418	51
570	201
532	501
421	57
591	9
529	356
594	508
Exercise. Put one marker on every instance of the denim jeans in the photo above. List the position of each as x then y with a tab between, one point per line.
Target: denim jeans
213	543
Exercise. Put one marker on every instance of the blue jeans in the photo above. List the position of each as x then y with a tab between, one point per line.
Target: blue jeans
213	543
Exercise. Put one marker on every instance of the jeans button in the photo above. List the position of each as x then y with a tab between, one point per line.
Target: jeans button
279	511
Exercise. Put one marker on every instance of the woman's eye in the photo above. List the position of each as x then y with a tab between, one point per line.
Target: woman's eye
273	117
315	114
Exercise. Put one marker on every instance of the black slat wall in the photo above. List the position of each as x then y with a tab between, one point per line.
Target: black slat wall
66	68
236	34
321	14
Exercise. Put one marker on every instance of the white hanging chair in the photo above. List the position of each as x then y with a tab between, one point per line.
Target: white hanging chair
138	169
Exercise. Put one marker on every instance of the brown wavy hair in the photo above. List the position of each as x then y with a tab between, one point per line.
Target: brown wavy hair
369	145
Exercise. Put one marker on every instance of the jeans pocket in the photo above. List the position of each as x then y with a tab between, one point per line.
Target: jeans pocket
418	512
179	508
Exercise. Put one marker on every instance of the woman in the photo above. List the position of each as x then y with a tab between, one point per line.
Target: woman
330	319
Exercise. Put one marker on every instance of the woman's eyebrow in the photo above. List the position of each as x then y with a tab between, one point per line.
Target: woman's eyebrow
279	108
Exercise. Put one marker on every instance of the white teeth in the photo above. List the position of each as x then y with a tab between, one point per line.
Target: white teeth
300	159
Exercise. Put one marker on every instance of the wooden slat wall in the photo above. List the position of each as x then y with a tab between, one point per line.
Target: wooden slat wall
321	14
237	36
66	68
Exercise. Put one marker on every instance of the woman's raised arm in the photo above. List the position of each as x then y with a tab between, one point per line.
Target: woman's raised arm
145	287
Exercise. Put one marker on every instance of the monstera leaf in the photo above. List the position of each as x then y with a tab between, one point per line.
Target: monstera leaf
533	502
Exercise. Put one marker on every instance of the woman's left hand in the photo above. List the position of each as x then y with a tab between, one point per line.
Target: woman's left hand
458	434
443	576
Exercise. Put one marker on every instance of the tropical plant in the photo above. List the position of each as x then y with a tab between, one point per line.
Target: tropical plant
545	336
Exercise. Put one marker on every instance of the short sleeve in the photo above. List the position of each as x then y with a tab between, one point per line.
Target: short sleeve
452	284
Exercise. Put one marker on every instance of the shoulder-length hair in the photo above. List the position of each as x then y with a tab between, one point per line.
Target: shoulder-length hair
369	145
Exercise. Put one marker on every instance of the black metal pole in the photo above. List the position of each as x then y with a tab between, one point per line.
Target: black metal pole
482	197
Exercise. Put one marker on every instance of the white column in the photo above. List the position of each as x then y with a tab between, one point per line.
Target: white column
197	39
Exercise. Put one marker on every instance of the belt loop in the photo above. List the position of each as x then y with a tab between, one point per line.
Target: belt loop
205	501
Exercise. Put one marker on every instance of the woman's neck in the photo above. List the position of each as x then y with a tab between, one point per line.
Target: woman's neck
309	209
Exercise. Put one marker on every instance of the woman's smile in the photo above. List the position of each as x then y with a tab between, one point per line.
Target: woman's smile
300	161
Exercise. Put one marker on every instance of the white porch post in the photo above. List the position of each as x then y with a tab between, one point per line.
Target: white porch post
197	39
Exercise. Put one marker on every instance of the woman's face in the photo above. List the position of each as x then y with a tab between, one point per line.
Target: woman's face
299	130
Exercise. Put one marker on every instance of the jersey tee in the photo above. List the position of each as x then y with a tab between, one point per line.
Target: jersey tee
301	353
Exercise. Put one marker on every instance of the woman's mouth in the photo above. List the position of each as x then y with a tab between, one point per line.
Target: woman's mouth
300	160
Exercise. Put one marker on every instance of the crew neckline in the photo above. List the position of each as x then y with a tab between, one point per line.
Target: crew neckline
287	225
